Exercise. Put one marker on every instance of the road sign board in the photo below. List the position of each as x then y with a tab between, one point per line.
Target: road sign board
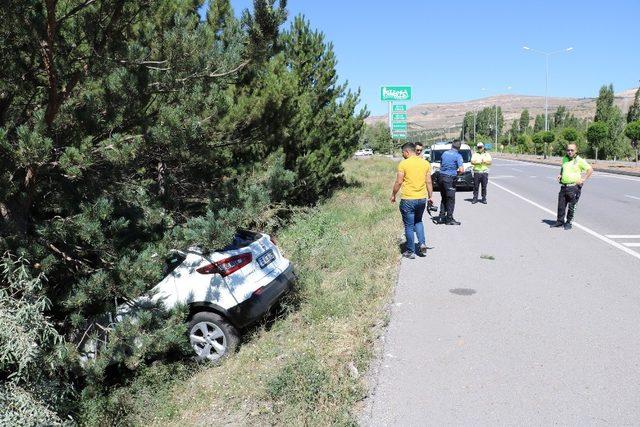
399	116
488	146
399	126
399	135
399	107
395	93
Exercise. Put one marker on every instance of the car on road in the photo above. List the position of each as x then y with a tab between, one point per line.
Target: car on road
464	181
364	152
225	290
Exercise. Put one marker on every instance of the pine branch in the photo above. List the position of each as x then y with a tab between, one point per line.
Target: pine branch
75	10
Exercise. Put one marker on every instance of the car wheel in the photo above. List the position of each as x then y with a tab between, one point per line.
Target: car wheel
211	336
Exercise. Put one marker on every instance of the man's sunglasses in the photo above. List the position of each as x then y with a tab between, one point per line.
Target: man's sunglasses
570	150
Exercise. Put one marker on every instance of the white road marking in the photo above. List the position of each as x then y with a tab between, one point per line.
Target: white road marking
623	236
632	197
517	170
533	176
579	226
632	245
502	176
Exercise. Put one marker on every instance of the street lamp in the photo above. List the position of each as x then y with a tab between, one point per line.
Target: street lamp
546	83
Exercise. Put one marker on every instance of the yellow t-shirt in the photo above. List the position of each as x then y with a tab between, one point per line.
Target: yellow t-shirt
414	185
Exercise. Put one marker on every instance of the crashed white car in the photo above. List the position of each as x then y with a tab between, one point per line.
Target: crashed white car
225	290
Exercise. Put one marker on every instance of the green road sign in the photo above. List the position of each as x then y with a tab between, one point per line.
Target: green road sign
399	126
399	107
399	116
399	135
395	93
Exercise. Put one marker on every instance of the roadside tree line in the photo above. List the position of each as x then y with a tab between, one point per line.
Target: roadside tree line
608	135
128	128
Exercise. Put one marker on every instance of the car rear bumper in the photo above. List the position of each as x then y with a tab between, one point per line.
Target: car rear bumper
463	181
261	301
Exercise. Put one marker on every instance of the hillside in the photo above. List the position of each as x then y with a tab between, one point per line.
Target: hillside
444	115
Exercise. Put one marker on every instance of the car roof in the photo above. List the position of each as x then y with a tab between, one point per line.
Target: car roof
447	146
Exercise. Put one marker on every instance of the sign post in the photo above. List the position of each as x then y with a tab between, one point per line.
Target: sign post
397	112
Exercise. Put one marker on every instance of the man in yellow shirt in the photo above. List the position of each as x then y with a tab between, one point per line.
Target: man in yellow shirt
481	160
414	178
571	182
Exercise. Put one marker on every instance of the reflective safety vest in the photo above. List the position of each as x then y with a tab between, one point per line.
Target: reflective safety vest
480	157
572	169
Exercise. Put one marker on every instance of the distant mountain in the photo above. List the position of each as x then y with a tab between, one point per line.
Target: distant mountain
444	115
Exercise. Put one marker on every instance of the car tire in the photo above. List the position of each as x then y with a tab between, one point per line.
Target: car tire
212	337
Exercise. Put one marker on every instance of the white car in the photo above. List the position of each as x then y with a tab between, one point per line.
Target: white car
225	291
464	181
364	152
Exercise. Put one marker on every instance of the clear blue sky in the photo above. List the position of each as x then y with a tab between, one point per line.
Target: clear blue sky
449	50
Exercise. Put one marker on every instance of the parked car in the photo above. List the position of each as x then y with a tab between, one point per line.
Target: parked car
225	290
364	152
464	181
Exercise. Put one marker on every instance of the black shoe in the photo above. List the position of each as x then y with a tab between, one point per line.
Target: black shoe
483	201
474	201
423	250
452	221
408	254
568	226
557	224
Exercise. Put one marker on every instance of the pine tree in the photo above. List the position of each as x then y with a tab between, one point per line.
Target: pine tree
538	124
326	128
524	121
634	111
607	112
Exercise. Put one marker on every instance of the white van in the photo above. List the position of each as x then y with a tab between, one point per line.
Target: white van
464	181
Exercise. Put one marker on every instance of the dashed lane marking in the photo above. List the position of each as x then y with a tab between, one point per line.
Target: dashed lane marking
623	236
579	226
632	245
632	197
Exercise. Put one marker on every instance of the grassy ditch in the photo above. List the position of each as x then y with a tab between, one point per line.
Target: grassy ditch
306	367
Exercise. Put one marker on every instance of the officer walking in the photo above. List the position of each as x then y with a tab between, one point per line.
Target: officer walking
451	164
571	182
481	160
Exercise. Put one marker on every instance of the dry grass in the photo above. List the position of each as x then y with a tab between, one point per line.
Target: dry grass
306	367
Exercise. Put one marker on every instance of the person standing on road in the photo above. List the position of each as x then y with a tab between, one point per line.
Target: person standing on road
571	181
414	178
451	165
481	160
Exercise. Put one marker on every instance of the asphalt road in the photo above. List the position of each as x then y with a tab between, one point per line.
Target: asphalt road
507	321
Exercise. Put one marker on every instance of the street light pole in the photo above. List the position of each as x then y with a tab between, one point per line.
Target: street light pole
546	82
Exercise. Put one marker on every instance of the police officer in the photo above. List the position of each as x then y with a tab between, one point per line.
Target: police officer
571	182
481	160
451	164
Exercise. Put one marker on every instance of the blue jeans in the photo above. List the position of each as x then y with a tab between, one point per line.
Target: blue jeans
412	211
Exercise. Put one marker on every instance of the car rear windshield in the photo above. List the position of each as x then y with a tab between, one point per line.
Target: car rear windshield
243	238
172	262
436	155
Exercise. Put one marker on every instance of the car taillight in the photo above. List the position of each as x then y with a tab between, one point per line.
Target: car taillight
273	240
227	266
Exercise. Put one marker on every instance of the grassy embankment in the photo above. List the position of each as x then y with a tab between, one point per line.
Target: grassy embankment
306	367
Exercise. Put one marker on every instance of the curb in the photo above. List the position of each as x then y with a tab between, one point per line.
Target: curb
595	168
